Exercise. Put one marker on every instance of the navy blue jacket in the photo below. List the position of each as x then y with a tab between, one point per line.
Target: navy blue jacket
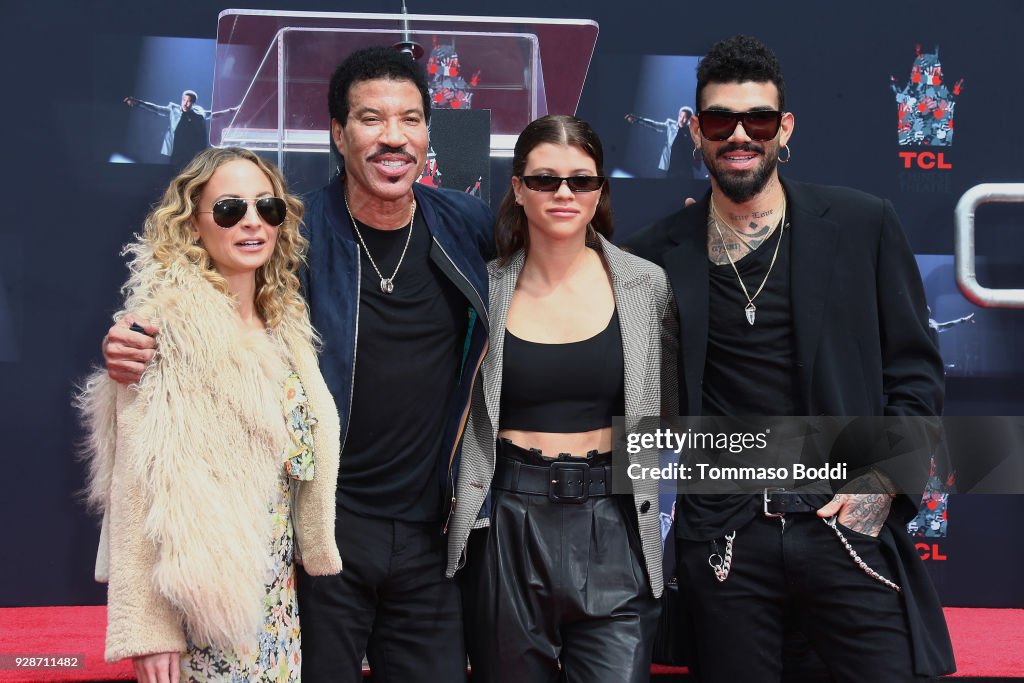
462	231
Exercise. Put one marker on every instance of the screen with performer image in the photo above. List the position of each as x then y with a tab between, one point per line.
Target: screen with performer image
155	104
643	114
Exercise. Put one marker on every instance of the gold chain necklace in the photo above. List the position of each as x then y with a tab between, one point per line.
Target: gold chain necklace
387	284
750	308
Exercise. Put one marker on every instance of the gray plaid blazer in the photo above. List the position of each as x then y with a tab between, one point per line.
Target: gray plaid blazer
650	334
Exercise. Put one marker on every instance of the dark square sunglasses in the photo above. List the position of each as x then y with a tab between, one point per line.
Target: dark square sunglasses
761	125
551	183
227	212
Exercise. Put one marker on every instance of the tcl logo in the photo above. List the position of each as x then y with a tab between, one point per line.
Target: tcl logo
925	160
930	551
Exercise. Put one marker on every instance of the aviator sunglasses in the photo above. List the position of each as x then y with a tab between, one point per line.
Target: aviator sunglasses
227	212
551	183
761	125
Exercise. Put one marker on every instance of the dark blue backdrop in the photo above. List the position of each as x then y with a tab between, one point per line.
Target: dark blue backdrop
69	211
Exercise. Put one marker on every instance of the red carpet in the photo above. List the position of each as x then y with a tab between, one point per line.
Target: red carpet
52	631
988	643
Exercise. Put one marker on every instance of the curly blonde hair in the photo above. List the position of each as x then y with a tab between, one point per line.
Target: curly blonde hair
168	231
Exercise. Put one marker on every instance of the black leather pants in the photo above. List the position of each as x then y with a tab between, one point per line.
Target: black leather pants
558	592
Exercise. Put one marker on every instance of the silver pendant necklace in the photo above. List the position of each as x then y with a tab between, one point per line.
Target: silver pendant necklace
387	284
750	309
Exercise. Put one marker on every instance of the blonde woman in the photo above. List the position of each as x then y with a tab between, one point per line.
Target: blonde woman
202	467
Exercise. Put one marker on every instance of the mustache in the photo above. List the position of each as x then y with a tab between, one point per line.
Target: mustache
385	150
740	147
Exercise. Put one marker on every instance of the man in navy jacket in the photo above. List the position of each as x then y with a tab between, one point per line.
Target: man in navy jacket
397	288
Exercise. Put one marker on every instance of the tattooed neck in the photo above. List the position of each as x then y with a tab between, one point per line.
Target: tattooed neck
740	219
763	207
737	238
723	245
717	251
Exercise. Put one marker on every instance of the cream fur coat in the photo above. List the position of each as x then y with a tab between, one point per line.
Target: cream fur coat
184	466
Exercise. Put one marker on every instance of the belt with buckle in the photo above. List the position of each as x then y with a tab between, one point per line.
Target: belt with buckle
562	481
778	502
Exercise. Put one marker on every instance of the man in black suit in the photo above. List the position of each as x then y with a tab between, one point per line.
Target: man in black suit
796	299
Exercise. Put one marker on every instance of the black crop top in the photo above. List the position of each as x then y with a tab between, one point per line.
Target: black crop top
563	388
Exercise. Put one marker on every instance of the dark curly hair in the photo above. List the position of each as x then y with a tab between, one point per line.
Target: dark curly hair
511	232
370	64
739	59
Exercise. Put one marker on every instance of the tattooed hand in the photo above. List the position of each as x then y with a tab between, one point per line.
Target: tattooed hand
859	505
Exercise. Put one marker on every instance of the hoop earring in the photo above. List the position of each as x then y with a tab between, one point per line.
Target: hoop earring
789	155
694	153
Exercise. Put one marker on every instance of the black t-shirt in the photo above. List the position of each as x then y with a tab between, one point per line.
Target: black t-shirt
408	350
749	369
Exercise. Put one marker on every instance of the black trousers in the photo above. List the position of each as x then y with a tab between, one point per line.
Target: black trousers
391	602
797	575
558	592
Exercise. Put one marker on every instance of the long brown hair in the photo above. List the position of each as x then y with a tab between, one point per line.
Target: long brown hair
510	230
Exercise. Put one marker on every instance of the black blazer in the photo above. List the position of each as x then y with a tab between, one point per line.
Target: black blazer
863	347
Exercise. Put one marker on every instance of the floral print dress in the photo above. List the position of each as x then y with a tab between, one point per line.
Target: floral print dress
278	657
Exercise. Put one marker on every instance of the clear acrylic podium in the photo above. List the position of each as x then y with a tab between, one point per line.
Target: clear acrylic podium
275	67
